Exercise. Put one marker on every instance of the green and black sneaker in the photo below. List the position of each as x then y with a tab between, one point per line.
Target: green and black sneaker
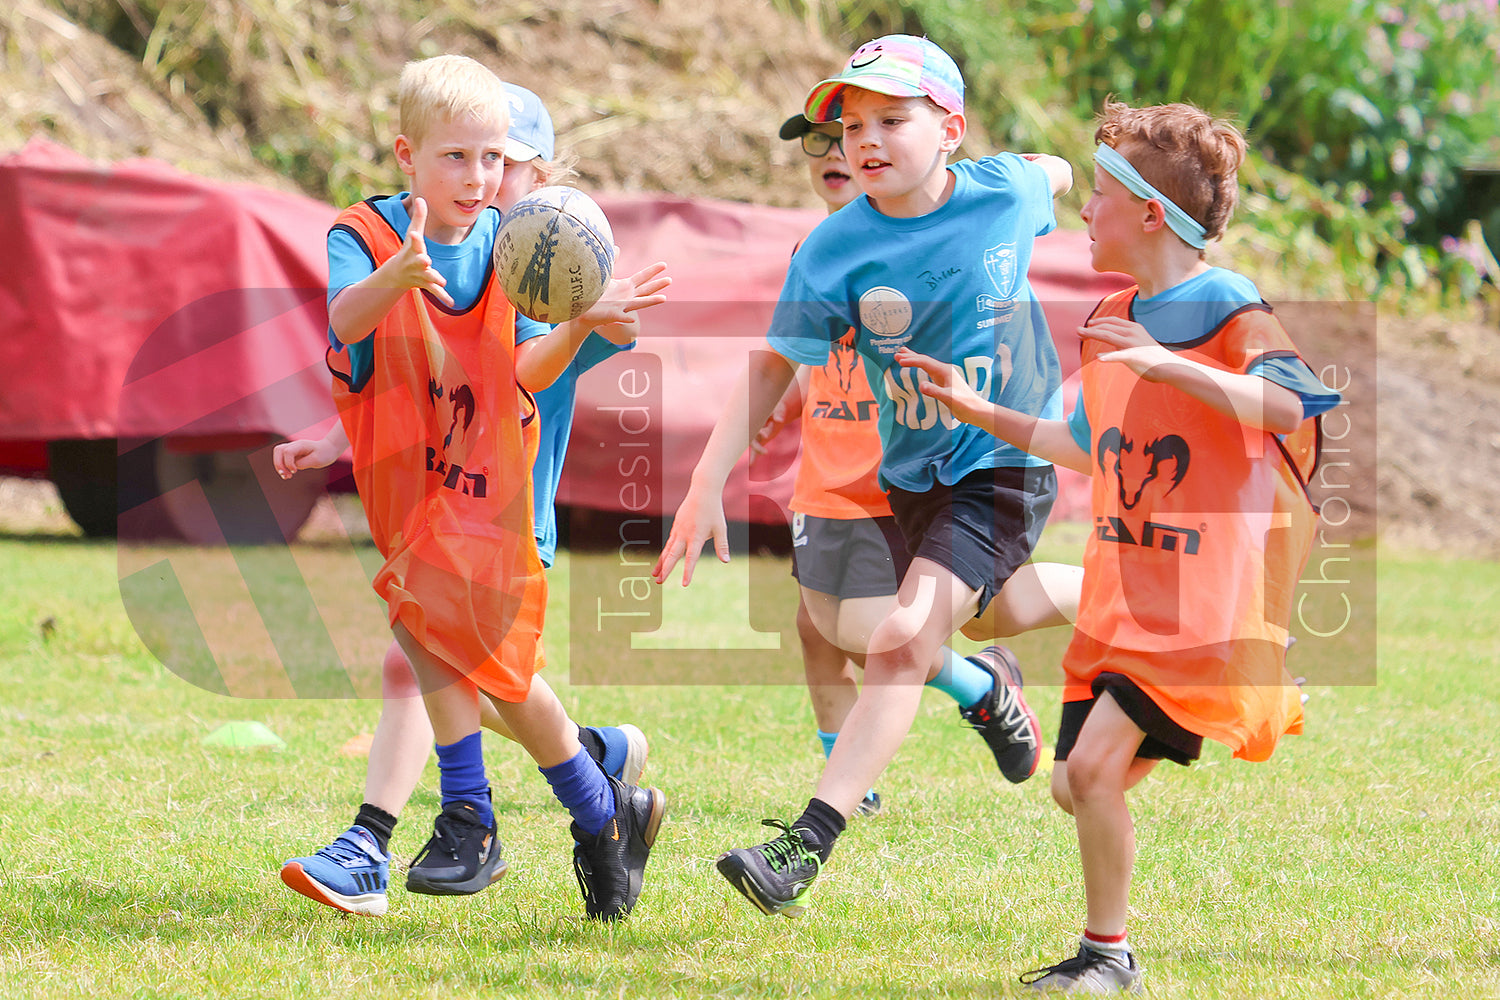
774	876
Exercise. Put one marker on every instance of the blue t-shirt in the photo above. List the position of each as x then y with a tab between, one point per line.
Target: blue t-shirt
1187	312
952	284
555	414
465	266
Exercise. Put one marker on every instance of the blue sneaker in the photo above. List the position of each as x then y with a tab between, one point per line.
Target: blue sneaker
350	874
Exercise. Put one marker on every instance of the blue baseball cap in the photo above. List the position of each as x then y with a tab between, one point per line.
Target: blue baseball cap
530	133
898	65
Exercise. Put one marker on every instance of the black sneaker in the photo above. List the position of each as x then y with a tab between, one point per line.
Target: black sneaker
775	876
612	865
1090	972
462	857
870	805
1003	718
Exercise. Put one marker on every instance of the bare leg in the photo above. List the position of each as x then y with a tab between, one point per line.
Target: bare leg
1038	595
931	604
1139	768
452	700
1099	765
403	737
831	685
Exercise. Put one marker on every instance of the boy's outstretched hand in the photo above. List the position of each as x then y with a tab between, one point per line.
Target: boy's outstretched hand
304	453
697	520
411	267
1132	346
613	317
946	384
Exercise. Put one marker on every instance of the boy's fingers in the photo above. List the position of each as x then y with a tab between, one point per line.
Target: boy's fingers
414	235
437	291
648	272
935	369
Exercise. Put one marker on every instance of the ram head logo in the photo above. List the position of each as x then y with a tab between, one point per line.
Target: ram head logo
841	362
1127	467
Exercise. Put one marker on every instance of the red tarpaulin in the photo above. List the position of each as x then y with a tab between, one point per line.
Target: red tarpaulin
139	302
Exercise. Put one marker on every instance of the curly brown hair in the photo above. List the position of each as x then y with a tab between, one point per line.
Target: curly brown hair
1184	152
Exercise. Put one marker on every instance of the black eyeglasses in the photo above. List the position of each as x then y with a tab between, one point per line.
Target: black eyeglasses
819	143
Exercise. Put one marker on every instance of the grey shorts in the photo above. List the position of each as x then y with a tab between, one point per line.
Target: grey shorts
863	557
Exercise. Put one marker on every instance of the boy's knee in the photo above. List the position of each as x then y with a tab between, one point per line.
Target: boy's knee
396	677
896	639
807	629
1089	775
1060	793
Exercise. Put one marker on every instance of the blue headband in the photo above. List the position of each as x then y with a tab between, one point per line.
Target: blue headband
1109	159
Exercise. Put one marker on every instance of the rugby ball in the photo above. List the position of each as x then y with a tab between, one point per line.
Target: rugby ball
554	254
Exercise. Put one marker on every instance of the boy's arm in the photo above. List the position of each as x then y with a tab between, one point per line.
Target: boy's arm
541	360
1050	440
701	515
291	456
1058	170
361	307
1253	401
786	410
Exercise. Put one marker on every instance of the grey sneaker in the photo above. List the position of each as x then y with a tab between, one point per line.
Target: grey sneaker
870	805
1002	717
775	875
1088	973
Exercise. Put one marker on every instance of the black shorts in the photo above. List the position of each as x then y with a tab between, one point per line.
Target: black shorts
982	528
859	557
1165	739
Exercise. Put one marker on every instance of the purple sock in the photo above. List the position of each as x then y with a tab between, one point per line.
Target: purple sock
583	789
461	776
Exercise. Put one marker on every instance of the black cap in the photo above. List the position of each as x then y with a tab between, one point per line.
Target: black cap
795	127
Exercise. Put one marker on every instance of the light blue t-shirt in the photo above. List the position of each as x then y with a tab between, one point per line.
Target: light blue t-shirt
1188	312
466	267
555	413
952	284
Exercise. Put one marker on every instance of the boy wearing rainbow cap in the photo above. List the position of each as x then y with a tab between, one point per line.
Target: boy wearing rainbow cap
934	255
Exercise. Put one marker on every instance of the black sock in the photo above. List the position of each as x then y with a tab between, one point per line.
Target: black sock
380	823
592	743
824	823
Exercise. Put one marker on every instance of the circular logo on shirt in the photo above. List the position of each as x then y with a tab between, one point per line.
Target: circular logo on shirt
884	311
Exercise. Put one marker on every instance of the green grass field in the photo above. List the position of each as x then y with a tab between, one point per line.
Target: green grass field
1362	861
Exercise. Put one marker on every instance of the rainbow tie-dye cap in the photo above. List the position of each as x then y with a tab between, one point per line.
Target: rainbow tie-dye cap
899	65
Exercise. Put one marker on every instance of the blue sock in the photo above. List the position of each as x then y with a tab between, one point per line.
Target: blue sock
583	789
961	680
461	776
616	746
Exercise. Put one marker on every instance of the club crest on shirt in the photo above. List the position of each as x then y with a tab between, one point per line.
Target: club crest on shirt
886	313
1000	265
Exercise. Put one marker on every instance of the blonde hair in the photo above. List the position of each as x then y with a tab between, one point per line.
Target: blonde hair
1184	152
447	88
558	171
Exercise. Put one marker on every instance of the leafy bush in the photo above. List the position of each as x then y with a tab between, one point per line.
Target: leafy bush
1362	114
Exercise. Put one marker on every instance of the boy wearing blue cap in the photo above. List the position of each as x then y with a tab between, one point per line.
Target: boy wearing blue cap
352	873
933	255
